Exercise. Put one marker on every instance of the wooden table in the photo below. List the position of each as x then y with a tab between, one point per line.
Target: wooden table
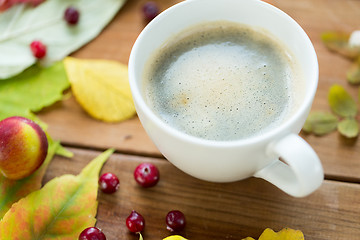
215	211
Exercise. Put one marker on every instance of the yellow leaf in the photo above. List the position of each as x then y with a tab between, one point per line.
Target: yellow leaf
174	237
101	87
284	234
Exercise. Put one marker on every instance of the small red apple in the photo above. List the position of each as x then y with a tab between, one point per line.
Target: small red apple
23	147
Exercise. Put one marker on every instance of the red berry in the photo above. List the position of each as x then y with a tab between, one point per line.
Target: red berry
71	15
135	222
38	49
150	10
175	221
146	174
92	233
109	183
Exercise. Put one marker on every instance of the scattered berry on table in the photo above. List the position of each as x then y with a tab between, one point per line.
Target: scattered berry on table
92	233
71	15
135	222
38	49
146	175
175	221
109	183
150	10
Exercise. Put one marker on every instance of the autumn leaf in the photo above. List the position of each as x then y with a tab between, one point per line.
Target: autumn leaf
341	102
20	25
284	234
353	74
60	210
174	237
339	42
344	106
35	88
349	128
320	123
32	90
101	87
11	191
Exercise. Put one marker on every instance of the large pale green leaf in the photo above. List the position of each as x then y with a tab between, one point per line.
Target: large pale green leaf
21	25
60	210
11	191
341	102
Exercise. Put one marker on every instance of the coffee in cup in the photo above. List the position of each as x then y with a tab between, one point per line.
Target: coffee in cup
223	81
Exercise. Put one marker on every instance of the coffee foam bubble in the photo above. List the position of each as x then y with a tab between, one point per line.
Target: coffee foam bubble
221	90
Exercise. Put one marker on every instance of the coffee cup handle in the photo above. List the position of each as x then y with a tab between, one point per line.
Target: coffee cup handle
299	172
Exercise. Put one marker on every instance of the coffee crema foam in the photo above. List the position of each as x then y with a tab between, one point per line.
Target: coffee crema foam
222	81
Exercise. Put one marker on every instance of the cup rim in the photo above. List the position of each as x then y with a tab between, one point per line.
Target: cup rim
270	134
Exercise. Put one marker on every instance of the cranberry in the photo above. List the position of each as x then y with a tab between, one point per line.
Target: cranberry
175	221
38	49
146	174
135	222
150	10
109	183
71	15
92	233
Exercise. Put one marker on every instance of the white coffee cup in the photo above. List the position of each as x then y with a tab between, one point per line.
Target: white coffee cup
299	172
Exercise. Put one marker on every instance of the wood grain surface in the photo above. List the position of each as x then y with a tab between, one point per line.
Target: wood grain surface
212	210
216	211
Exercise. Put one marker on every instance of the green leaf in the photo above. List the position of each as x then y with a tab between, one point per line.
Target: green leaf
35	88
61	151
341	102
353	74
21	25
320	123
11	191
60	210
31	91
349	128
339	42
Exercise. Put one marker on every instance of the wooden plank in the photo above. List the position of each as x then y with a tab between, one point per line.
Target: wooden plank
213	210
340	157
